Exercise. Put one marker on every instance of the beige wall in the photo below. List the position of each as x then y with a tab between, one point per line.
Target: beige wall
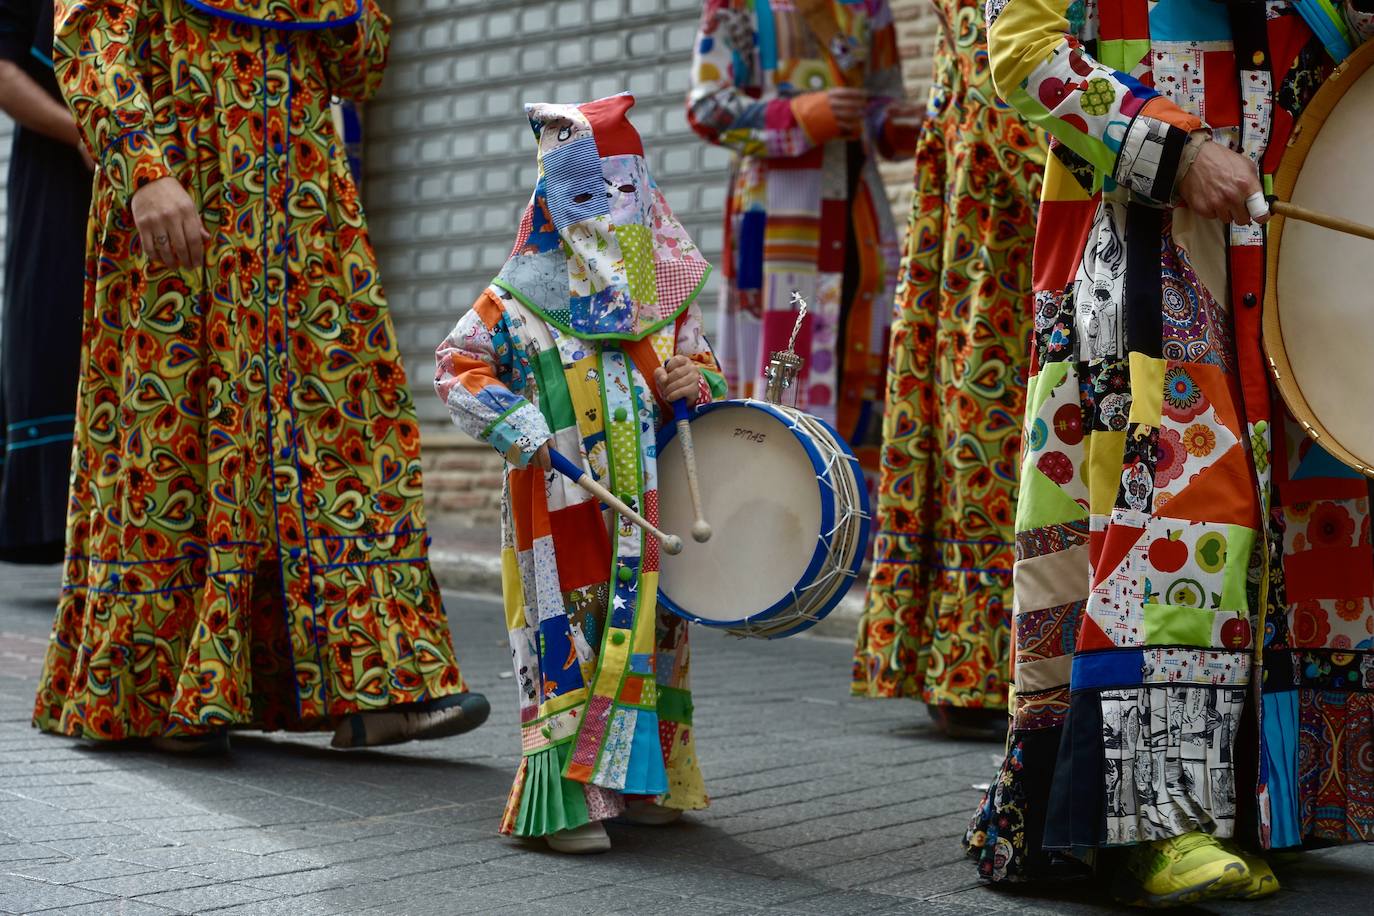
463	478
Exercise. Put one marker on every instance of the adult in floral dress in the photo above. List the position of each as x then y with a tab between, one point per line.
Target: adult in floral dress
1194	575
246	542
937	625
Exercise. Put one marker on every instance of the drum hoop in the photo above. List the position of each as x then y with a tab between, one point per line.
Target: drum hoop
1309	125
828	512
862	511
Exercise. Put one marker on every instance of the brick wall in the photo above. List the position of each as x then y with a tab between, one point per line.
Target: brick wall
449	163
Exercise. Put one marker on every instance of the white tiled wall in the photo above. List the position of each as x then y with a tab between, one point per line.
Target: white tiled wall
449	157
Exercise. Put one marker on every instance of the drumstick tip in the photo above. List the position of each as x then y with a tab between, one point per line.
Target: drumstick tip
672	545
701	531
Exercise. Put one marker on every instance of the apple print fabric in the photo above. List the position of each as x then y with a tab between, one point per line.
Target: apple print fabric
1178	534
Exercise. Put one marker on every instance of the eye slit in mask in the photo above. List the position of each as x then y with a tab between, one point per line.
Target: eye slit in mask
582	198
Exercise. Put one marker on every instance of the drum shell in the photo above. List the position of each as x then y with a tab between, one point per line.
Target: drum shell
836	517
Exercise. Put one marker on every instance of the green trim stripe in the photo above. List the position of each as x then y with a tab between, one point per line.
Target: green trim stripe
555	402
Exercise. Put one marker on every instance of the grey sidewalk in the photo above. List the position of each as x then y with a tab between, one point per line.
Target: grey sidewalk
822	805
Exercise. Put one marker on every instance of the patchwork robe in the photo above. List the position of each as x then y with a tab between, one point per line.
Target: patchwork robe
1194	621
600	290
605	708
805	208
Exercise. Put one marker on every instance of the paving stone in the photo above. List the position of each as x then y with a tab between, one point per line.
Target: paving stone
144	883
110	908
25	895
207	899
77	871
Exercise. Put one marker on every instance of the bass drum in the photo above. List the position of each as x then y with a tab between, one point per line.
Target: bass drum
1319	303
789	514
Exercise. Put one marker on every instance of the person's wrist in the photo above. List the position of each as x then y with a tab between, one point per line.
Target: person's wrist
1196	141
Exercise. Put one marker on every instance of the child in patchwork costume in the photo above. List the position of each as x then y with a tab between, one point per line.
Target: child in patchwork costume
580	344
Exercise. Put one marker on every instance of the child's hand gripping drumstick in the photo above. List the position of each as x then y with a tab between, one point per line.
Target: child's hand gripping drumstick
672	544
677	381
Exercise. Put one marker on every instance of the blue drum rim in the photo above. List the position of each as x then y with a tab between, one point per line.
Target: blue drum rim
827	511
865	523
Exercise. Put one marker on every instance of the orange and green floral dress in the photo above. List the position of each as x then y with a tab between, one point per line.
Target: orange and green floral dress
938	620
246	543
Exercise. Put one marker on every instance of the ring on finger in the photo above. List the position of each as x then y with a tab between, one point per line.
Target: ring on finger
161	240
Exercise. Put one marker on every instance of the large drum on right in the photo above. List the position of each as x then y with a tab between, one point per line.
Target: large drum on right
1319	298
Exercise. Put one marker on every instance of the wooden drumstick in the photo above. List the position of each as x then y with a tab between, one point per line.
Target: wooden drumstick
1339	224
701	530
672	544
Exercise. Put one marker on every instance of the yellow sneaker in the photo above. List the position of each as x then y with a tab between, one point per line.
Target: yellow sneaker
1180	871
1262	881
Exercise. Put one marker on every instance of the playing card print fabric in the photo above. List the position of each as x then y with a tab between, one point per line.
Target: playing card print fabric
1159	566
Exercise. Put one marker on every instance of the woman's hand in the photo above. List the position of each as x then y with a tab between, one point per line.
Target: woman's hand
542	458
847	105
906	114
679	377
1218	183
169	225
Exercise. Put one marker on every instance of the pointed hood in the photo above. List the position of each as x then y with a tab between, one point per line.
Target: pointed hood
599	254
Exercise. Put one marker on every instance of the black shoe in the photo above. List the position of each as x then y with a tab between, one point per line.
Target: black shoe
968	724
439	718
210	744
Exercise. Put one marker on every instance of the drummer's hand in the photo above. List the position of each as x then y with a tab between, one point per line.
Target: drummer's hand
168	223
542	458
1218	183
679	377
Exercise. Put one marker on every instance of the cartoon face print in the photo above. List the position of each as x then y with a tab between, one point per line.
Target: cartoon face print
557	125
629	190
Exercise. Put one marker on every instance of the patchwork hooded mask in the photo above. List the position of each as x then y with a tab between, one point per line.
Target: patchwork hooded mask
599	255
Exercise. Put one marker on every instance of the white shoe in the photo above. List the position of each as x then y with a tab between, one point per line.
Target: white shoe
648	814
580	841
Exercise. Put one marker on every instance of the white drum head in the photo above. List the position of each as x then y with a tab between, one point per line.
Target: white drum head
1325	298
763	503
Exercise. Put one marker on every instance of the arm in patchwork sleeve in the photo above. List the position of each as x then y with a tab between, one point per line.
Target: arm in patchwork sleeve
885	89
1128	132
692	343
354	57
99	57
473	370
720	107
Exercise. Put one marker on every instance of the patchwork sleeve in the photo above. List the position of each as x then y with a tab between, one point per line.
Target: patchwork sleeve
355	57
885	88
99	58
473	374
1128	132
691	342
727	76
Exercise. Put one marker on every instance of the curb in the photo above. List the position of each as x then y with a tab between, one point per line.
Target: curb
480	572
